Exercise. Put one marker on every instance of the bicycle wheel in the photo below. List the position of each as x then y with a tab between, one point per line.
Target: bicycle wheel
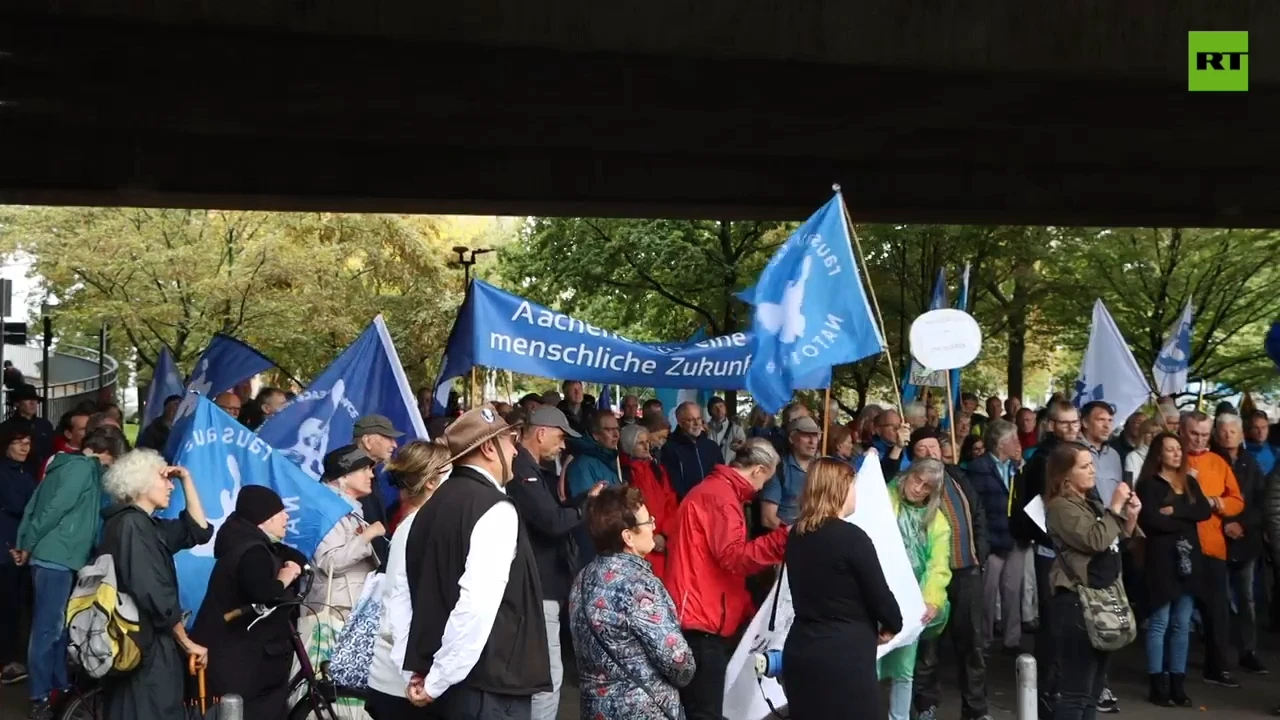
348	705
83	706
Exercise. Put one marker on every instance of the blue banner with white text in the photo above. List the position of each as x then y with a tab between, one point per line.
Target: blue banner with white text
500	330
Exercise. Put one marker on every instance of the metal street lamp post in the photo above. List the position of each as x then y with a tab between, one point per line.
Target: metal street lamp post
467	258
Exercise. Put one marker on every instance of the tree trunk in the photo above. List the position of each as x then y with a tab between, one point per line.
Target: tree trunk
1017	333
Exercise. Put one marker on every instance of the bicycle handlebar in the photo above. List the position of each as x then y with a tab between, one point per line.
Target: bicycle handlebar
304	588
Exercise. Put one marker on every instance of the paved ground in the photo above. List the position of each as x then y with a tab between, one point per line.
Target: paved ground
1128	677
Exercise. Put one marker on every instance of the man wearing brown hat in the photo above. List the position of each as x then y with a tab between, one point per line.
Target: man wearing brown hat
377	437
477	644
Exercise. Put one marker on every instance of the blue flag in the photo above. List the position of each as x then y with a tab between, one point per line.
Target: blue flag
1271	345
224	456
500	330
366	379
165	382
1174	361
916	373
225	363
811	311
605	401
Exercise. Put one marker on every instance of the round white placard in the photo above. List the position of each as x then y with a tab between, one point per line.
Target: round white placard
945	339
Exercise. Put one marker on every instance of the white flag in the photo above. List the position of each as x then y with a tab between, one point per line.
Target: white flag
1109	372
1174	360
747	695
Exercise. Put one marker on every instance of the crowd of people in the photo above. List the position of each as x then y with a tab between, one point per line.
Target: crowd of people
649	547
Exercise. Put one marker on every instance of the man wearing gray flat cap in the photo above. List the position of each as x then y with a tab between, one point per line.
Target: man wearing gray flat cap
550	526
377	437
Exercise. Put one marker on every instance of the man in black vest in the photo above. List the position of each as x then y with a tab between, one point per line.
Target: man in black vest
478	642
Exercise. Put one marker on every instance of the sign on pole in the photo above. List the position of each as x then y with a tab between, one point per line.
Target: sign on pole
945	339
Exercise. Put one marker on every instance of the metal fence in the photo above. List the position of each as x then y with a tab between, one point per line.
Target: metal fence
83	384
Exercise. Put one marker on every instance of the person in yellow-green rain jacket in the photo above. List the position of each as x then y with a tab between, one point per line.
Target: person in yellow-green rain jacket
915	497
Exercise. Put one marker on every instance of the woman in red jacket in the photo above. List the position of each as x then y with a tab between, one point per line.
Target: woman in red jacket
643	472
709	560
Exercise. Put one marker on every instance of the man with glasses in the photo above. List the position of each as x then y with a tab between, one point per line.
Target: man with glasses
689	454
230	403
890	442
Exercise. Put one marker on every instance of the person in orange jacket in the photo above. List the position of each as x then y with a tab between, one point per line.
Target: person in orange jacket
709	558
1220	488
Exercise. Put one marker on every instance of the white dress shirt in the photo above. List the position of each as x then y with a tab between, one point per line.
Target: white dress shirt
386	674
483	582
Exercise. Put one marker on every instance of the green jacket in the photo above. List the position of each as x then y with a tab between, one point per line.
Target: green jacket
62	520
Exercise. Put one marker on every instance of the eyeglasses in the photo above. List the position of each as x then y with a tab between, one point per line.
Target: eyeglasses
650	522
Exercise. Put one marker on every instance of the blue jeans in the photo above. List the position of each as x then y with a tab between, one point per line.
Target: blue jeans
1168	636
900	699
47	653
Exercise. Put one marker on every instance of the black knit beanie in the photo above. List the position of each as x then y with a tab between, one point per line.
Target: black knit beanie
258	503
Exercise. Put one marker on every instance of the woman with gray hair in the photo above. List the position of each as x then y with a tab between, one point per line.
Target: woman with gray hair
915	497
142	548
641	470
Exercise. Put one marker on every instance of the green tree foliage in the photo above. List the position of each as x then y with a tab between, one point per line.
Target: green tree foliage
1031	290
630	275
1145	276
298	286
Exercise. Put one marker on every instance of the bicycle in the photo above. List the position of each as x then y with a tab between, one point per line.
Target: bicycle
323	699
83	702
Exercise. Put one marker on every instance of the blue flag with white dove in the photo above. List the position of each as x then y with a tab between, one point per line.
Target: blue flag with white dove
224	456
1174	361
366	379
811	311
165	382
1109	372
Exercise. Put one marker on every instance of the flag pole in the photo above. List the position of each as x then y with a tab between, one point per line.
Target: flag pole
826	418
857	246
951	420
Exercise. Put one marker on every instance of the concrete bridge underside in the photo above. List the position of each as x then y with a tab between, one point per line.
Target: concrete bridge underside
978	111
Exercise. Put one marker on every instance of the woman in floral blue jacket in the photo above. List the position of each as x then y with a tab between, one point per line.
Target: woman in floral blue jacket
631	655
